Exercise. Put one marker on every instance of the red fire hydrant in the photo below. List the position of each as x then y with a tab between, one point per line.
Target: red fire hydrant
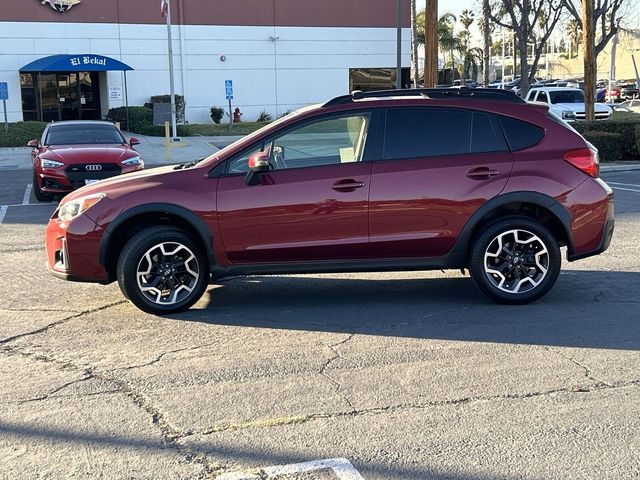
237	115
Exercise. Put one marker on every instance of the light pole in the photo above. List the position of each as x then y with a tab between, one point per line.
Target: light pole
399	47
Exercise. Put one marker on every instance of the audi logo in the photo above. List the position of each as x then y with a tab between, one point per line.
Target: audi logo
93	168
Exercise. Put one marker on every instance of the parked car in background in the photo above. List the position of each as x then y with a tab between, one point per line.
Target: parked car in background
630	106
566	103
629	91
75	153
373	181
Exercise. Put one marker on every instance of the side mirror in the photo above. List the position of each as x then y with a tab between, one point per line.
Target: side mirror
33	144
134	141
259	162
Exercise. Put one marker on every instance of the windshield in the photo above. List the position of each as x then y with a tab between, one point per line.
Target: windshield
74	134
567	96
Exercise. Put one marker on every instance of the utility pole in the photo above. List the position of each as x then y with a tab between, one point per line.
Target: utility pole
174	128
588	40
515	58
612	66
431	44
399	46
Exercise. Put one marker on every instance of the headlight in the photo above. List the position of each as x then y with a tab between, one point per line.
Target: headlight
132	162
568	115
50	163
74	208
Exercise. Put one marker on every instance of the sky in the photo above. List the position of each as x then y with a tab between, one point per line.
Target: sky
453	6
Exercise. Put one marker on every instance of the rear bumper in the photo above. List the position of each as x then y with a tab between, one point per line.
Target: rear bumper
592	211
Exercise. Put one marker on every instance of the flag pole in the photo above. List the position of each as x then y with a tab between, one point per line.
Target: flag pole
174	128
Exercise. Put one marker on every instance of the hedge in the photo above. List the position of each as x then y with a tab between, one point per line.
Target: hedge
20	133
139	118
610	145
638	137
629	149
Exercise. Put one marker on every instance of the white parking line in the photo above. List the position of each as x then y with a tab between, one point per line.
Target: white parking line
624	184
27	195
3	212
625	189
341	467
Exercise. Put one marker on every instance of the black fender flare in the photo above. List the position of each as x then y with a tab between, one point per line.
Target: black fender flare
168	208
545	201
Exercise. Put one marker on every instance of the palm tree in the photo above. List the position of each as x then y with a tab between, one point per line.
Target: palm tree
447	41
573	30
486	40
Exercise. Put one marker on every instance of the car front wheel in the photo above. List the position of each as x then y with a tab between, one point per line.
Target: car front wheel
39	194
515	260
163	270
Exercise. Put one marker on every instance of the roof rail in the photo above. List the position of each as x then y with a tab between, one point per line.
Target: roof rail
440	93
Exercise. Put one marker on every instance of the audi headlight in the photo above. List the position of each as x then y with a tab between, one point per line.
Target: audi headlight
568	115
132	162
74	208
50	163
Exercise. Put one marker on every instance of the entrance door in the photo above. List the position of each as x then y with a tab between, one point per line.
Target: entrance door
68	96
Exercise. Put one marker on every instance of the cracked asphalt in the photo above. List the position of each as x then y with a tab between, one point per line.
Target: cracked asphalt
407	375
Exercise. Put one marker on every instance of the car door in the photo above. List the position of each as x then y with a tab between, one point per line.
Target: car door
439	165
312	205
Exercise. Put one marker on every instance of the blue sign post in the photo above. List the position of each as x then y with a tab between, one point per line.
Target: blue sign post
228	91
4	96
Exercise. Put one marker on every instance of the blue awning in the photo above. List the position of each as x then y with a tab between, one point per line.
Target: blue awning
75	63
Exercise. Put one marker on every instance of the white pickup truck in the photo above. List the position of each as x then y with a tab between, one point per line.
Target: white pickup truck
567	103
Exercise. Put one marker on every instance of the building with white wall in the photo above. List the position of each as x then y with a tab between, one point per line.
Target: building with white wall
280	54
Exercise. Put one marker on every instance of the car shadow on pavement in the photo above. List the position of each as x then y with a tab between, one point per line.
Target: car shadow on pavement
591	309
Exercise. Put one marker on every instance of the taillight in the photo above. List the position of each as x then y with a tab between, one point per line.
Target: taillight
584	159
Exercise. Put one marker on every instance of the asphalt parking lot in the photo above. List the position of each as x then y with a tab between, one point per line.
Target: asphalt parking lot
403	375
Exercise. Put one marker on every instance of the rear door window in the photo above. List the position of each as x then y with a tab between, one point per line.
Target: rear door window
486	135
426	132
519	134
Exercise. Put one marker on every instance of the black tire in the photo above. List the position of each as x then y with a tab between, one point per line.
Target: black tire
487	238
39	194
133	256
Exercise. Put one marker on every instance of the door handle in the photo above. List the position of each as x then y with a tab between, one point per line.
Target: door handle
482	173
348	185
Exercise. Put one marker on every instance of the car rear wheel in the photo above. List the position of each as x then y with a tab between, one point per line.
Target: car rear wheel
162	270
39	194
515	260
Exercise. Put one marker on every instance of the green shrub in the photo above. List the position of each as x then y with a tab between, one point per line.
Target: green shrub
20	133
610	145
139	118
180	105
264	117
626	128
216	114
158	131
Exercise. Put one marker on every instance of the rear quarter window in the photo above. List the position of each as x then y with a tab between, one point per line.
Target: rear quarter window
520	134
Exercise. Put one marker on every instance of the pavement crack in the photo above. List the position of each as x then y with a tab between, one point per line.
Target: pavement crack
276	422
325	366
161	356
88	375
587	371
60	322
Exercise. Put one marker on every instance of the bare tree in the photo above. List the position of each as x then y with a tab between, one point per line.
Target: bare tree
532	23
607	15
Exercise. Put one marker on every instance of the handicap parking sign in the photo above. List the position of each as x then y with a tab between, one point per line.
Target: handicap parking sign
4	91
228	89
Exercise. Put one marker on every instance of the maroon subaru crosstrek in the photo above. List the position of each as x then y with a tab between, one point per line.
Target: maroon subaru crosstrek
379	181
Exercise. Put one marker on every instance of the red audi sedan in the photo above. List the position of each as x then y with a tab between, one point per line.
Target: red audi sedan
73	154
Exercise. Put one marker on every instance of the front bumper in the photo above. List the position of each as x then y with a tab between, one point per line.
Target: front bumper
61	180
72	250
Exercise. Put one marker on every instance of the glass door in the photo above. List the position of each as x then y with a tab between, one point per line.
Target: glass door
48	96
68	96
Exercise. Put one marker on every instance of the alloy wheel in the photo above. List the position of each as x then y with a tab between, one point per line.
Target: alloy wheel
167	273
516	261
